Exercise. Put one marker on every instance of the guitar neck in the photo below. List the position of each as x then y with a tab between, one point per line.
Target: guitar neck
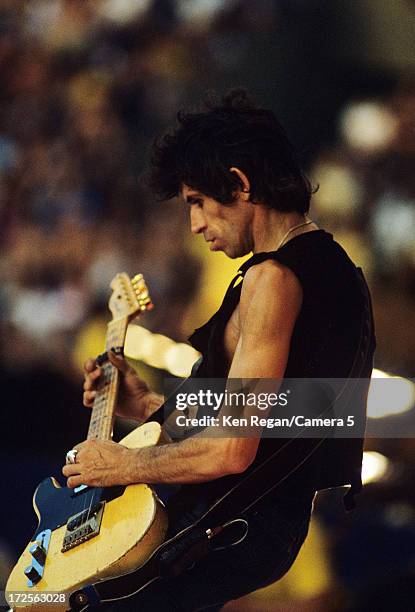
102	417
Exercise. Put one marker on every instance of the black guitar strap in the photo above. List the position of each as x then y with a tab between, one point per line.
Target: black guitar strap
195	541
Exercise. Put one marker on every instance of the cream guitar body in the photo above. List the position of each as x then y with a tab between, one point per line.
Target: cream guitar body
132	525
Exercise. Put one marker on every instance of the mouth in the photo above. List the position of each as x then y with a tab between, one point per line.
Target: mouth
211	242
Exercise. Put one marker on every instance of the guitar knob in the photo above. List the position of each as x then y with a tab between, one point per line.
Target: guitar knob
32	574
38	552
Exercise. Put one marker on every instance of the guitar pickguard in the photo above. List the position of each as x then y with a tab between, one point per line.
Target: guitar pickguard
56	505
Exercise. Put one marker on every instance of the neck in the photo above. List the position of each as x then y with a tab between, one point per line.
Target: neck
270	228
102	417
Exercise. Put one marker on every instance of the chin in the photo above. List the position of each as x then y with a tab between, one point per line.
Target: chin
235	253
229	253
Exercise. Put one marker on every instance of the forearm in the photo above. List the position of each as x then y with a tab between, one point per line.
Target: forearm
190	461
104	463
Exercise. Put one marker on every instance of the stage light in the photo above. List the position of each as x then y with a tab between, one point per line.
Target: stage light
123	11
200	11
368	126
340	190
180	358
389	398
393	228
374	466
159	351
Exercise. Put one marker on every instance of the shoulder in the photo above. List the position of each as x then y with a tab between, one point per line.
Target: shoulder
270	278
271	297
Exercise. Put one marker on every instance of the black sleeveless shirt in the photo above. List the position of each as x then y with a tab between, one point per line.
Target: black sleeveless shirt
333	337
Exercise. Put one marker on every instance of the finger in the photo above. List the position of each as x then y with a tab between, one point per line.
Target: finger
119	362
90	365
71	469
75	481
90	379
89	398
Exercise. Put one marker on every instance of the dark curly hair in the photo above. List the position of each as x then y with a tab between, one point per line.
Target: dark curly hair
231	132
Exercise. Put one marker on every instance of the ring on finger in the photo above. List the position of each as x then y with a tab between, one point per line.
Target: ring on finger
71	456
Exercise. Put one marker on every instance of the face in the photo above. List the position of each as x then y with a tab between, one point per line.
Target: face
226	228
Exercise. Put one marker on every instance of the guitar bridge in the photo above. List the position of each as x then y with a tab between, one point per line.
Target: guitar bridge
83	526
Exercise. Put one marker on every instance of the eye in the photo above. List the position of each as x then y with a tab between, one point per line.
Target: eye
196	202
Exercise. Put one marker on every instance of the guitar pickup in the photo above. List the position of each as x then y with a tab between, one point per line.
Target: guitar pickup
79	519
83	526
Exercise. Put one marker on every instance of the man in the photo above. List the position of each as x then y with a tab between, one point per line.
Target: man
299	312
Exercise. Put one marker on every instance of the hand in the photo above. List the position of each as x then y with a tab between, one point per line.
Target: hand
100	463
133	395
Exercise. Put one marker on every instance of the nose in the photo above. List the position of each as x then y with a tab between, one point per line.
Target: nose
197	219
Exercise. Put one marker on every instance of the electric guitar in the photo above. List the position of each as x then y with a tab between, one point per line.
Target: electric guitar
87	534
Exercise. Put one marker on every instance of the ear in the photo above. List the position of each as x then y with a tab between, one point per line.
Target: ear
244	181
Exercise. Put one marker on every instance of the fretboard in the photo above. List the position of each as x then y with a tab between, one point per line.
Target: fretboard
102	417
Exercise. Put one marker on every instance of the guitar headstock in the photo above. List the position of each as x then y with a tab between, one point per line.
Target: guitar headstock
129	296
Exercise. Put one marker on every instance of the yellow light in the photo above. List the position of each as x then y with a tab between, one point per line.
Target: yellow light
374	466
159	351
180	358
380	374
400	397
340	191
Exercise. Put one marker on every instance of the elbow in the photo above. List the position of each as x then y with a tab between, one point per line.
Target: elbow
236	468
239	465
235	457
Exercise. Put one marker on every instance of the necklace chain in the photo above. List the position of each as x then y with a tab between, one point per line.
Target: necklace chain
291	230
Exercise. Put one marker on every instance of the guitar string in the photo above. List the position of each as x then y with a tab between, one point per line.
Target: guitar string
96	416
89	496
110	377
105	423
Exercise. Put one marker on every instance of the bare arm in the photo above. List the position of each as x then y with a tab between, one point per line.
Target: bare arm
270	302
105	463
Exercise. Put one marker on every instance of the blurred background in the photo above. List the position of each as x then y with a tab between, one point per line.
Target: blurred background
84	88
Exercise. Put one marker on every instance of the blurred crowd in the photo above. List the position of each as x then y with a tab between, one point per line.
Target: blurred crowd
80	97
367	196
84	87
